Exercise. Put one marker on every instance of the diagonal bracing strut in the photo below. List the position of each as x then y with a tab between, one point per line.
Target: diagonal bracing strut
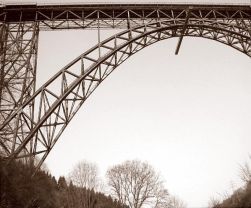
182	32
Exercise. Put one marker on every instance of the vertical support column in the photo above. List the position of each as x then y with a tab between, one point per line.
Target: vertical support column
99	49
3	38
129	28
3	41
159	23
18	72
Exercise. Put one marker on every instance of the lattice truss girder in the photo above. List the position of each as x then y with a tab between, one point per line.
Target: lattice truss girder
18	74
102	19
59	99
86	17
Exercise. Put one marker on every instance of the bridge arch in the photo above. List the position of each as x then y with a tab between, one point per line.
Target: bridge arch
59	99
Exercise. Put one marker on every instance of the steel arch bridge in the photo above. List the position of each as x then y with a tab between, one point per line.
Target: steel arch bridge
31	121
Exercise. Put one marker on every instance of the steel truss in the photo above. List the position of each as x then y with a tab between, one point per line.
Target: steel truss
117	15
32	122
18	75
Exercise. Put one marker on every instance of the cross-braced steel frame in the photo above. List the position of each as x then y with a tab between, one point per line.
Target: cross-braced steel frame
32	121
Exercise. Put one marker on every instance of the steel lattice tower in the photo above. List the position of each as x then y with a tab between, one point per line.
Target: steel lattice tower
31	121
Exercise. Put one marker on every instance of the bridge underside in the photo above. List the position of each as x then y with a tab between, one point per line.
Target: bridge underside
31	121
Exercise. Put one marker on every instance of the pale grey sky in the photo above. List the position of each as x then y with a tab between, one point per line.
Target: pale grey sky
187	115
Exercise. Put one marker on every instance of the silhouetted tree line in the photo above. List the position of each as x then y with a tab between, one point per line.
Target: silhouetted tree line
18	189
241	198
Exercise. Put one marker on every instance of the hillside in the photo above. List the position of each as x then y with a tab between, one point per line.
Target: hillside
19	190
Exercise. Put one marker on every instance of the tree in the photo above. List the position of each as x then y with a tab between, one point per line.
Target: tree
136	184
85	177
175	202
62	183
246	172
240	197
214	203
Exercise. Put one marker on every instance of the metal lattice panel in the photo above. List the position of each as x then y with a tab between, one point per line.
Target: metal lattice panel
18	75
117	15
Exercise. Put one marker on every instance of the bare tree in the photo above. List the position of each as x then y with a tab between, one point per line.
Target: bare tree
136	184
161	198
214	203
246	172
85	176
175	202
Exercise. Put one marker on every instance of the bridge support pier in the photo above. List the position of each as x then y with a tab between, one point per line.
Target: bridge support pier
18	61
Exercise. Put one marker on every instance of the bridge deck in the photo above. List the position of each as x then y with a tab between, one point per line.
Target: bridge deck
33	12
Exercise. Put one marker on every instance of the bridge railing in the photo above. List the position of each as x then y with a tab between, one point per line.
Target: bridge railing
182	2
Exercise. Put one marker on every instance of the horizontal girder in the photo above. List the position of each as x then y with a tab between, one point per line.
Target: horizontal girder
115	15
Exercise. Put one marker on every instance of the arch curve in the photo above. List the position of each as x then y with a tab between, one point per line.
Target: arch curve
59	99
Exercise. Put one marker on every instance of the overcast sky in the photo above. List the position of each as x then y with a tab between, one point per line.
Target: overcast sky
187	115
